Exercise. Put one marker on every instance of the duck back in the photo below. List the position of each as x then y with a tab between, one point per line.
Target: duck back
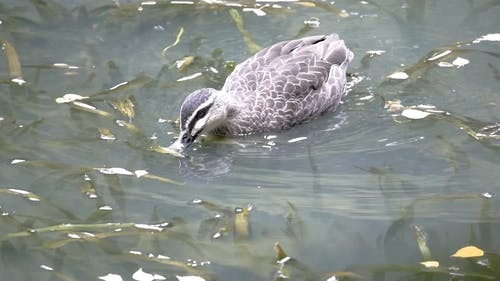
286	84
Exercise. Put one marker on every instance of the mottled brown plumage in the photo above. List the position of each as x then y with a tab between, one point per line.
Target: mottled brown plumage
279	87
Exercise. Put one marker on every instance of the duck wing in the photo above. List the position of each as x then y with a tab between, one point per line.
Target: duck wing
290	82
300	65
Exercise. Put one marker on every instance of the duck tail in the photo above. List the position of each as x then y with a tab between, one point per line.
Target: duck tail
335	51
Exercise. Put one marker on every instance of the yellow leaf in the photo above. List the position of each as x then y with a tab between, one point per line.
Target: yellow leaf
177	40
394	105
306	4
13	64
105	134
430	264
166	150
241	223
468	252
124	106
411	113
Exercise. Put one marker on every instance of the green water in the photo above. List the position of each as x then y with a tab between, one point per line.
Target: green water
361	194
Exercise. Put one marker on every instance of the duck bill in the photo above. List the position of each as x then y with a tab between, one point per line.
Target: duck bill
178	146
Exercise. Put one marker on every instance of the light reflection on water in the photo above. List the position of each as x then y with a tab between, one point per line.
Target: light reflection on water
342	193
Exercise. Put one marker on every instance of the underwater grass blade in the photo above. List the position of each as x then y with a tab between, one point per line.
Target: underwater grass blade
26	194
325	6
288	264
211	206
12	58
28	128
177	40
163	179
67	228
41	164
279	252
59	275
422	243
89	108
129	126
51	11
36	198
294	223
398	226
241	226
238	21
133	256
97	237
124	106
130	85
435	272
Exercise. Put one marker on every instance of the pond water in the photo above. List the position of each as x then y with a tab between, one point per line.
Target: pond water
362	193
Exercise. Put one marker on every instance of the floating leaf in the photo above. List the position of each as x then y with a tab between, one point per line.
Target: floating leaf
140	275
488	37
312	22
69	98
430	264
399	75
177	40
189	77
305	4
258	12
439	55
18	81
468	252
332	278
166	150
411	113
459	62
373	53
140	173
184	62
45	267
105	134
445	64
394	105
149	227
26	194
111	277
114	171
297	139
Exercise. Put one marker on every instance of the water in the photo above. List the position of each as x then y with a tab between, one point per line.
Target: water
351	194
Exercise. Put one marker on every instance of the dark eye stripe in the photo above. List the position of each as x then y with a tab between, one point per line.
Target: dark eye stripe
200	113
191	103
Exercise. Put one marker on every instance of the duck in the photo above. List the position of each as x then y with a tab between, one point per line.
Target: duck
281	86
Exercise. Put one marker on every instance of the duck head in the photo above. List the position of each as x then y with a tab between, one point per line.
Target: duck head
201	112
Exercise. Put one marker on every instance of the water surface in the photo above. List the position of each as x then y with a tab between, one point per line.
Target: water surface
361	193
